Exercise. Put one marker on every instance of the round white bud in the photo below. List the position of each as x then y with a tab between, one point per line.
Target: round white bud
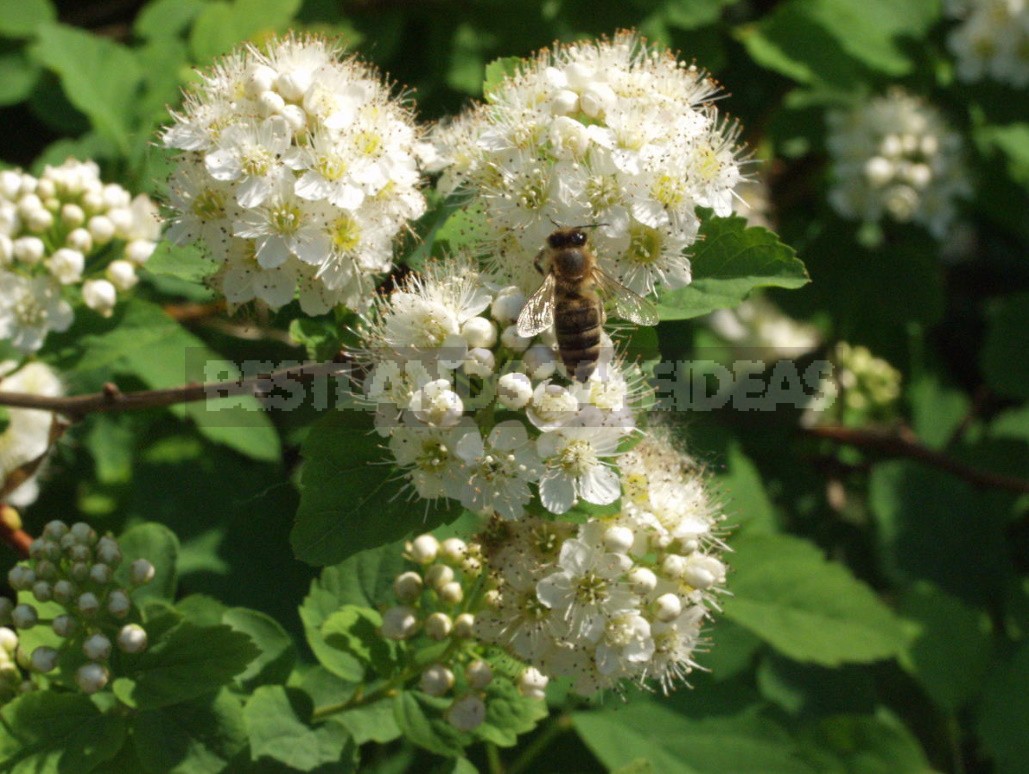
72	215
118	603
79	239
436	680
66	265
532	683
294	84
673	566
642	580
478	674
564	102
55	530
24	616
407	586
295	116
437	404
43	659
513	340
108	552
84	533
29	250
514	390
667	607
122	274
479	362
399	623
539	361
91	677
97	648
20	577
507	305
88	604
100	574
618	539
64	626
479	332
438	626
100	296
464	626
703	572
64	590
259	78
42	591
38	221
467	713
8	640
138	251
101	228
132	638
424	549
453	549
451	593
438	576
141	572
270	103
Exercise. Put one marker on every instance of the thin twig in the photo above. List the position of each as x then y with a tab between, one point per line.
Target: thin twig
112	399
11	533
905	445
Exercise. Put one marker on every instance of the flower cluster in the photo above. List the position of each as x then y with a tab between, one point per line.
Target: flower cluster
991	40
71	573
433	604
614	133
894	155
297	171
27	435
861	389
757	328
477	413
66	229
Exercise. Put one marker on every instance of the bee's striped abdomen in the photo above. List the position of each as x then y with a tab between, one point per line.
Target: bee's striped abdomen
578	324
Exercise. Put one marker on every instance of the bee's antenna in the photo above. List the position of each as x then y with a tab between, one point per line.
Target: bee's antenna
589	225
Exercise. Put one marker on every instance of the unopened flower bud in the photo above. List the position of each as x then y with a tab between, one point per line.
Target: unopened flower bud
21	577
55	529
533	684
28	250
141	572
101	228
451	593
24	616
8	640
479	674
539	361
64	591
436	680
467	713
107	551
100	574
399	623
618	539
514	390
673	566
464	626
64	626
407	586
43	659
642	580
138	251
118	603
79	571
513	340
438	626
42	591
424	549
132	638
122	274
479	332
438	575
703	572
66	265
667	607
479	362
72	215
88	604
100	296
453	549
97	648
507	305
91	677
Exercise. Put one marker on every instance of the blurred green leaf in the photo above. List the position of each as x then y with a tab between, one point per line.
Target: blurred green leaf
49	732
810	609
1005	358
807	690
690	14
277	722
497	72
729	261
221	26
162	18
22	18
342	484
1011	140
508	714
201	736
186	263
18	76
100	77
1004	713
864	744
747	505
159	546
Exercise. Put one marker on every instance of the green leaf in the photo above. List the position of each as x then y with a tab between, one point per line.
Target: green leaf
186	263
673	744
159	546
277	656
497	72
163	18
731	260
373	722
277	726
747	505
46	733
811	610
21	18
198	737
99	77
1005	356
18	76
950	654
420	718
863	744
1004	714
508	714
355	630
805	690
691	14
363	580
187	662
349	499
222	26
1012	141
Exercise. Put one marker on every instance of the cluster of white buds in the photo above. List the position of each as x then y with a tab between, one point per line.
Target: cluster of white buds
297	171
992	40
861	388
616	599
614	133
27	435
66	229
479	414
894	155
759	330
12	678
74	567
436	600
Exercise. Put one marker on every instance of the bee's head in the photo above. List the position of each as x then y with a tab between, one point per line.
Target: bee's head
567	237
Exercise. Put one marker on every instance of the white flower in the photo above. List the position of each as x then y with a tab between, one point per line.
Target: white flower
242	277
436	404
575	468
27	435
283	226
428	456
31	308
500	470
992	40
251	153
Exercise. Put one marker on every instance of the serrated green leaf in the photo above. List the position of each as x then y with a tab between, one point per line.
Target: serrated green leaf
731	260
277	656
373	722
159	546
421	720
864	744
1004	713
198	737
355	630
674	744
277	726
21	18
810	609
100	77
497	73
508	714
50	733
189	661
1005	358
349	500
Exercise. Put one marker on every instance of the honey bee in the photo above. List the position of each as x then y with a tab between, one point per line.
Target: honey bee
571	299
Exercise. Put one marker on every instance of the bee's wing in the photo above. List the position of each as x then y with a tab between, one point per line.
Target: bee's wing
628	305
538	313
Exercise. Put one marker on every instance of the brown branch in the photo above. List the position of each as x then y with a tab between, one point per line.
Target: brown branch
905	445
112	399
191	311
11	533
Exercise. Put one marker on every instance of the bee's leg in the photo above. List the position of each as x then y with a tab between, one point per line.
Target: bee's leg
538	260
